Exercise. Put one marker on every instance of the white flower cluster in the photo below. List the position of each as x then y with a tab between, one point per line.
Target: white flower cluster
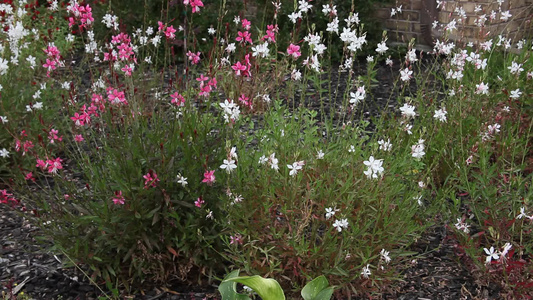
231	111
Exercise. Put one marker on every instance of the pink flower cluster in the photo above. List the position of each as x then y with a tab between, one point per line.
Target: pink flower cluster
116	97
26	146
53	59
244	67
271	33
53	165
205	89
169	31
150	179
193	57
177	99
195	4
7	198
81	13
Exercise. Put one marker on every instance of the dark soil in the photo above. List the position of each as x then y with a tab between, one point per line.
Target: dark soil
436	274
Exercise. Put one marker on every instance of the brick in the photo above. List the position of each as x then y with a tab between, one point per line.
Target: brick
444	17
383	13
416	4
469	8
398	25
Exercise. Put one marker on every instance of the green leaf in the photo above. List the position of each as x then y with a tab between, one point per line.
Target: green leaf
267	289
325	294
228	289
312	289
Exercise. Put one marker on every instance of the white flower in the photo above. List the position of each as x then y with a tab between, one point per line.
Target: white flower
304	6
296	75
273	161
231	48
506	249
491	254
460	225
366	271
319	154
411	56
417	150
295	16
505	15
295	167
260	50
182	180
3	66
385	256
211	31
382	48
440	114
516	94
330	212
4	153
340	224
358	96
262	160
522	213
228	165
38	105
385	146
333	26
352	149
4	119
408	110
405	74
515	68
375	167
482	88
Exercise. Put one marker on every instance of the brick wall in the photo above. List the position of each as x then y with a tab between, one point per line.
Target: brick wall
416	18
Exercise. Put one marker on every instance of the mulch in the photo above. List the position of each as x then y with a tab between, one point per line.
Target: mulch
436	274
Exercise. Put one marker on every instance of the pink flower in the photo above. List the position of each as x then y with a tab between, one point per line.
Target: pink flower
29	176
52	136
54	165
195	58
245	100
150	179
196	4
209	177
238	67
294	50
177	99
202	78
198	203
246	24
41	164
244	37
161	26
127	70
169	33
118	199
78	138
235	239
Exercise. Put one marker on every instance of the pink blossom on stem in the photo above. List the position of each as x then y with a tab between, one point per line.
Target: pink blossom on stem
118	199
199	202
150	179
294	50
209	177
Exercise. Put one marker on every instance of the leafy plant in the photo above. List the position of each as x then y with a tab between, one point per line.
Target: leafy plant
269	289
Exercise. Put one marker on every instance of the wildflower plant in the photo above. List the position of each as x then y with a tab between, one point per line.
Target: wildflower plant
248	154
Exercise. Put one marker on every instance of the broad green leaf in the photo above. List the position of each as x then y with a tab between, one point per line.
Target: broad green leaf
228	289
312	289
267	289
